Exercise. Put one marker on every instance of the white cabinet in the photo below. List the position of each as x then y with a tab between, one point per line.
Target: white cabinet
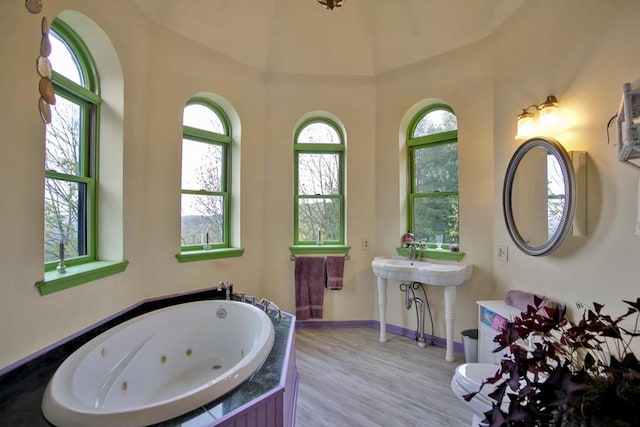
491	316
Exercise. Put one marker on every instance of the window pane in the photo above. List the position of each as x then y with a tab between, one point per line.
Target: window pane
318	174
64	213
201	166
318	216
434	216
556	194
319	133
202	218
436	121
201	117
436	168
63	61
63	138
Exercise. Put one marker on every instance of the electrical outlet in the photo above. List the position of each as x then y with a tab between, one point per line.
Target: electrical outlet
365	243
503	253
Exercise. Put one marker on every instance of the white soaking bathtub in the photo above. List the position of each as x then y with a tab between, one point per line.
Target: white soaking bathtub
159	365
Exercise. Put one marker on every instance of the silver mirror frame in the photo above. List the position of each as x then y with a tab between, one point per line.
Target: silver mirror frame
568	212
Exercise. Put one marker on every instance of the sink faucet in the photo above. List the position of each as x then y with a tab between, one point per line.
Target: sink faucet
414	253
227	288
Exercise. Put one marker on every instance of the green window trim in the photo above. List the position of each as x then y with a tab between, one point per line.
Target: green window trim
432	253
82	53
87	97
320	148
70	88
197	252
201	135
78	274
439	138
420	142
203	255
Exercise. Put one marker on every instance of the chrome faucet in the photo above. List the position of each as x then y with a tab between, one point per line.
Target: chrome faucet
227	288
266	304
414	253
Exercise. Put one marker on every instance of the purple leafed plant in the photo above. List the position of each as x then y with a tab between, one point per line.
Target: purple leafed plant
560	373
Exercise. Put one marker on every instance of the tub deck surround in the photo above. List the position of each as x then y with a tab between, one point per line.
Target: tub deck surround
269	393
159	365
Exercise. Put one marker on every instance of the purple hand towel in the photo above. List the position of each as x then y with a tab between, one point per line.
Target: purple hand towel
335	272
309	282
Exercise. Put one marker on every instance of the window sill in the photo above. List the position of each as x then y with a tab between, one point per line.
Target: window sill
79	274
203	255
319	249
433	253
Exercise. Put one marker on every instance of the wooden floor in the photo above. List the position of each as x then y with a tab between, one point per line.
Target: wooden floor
349	379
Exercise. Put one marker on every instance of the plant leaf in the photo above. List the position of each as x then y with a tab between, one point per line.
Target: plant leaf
635	305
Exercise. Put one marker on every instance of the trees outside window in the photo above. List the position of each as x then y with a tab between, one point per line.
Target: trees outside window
70	152
433	185
319	183
206	152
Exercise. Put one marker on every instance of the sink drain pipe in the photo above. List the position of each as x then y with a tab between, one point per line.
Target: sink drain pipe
420	312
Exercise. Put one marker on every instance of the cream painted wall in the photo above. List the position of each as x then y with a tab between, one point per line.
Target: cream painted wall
29	321
463	79
352	101
580	57
181	69
162	70
583	56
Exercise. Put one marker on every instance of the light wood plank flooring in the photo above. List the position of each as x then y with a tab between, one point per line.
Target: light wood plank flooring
349	379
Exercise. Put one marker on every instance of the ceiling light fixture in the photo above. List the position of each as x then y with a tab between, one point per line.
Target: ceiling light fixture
549	117
331	4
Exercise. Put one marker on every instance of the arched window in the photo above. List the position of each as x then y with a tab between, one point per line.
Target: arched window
70	205
319	183
432	141
206	172
83	218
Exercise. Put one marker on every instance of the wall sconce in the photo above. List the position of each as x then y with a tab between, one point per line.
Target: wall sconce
549	117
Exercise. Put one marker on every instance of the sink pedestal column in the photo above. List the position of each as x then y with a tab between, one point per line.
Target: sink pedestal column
382	305
449	317
449	314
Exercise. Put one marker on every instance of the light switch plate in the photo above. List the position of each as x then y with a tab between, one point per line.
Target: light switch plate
503	253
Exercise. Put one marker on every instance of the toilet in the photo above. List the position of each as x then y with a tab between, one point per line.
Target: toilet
466	379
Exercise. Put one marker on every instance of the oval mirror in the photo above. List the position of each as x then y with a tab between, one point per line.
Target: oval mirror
539	196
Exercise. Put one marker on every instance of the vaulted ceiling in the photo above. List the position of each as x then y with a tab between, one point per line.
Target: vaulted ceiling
362	38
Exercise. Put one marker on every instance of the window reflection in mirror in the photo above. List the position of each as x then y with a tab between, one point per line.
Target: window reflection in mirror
538	196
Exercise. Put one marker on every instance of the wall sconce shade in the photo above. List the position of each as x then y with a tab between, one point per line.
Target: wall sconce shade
526	125
549	117
549	114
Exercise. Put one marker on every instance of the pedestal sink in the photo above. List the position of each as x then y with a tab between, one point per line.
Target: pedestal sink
428	272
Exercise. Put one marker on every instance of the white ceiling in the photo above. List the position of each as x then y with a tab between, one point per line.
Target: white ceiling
364	37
